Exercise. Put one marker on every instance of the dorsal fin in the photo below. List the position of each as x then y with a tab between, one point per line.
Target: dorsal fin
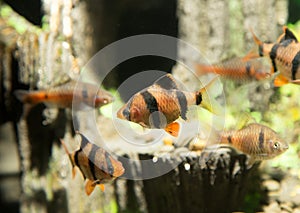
84	141
166	82
245	119
288	35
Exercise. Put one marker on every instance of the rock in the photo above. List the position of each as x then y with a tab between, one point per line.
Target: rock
297	210
286	207
271	185
272	208
290	190
273	195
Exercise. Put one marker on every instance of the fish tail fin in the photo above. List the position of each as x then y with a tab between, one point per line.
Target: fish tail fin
205	97
202	69
70	157
207	135
21	95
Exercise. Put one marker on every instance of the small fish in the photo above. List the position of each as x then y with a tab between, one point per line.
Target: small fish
256	140
62	96
95	164
284	55
159	105
237	69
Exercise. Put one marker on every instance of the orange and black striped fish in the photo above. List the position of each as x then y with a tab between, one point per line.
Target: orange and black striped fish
84	94
95	164
159	105
237	69
256	140
284	55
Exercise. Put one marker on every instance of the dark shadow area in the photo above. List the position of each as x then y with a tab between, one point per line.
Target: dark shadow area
29	9
129	18
59	204
294	8
42	136
10	190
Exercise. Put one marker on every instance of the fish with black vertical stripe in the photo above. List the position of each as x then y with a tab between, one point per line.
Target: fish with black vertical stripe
284	55
96	165
256	140
161	104
237	69
85	95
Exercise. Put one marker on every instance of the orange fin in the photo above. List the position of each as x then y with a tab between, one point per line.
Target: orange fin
173	129
89	187
70	157
102	187
252	54
280	81
73	172
202	69
287	35
255	38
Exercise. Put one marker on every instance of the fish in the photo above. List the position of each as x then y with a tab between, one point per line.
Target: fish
161	104
96	165
284	55
237	69
72	93
257	140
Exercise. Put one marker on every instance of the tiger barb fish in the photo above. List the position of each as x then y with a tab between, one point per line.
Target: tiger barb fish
78	93
237	69
284	56
159	105
96	165
256	140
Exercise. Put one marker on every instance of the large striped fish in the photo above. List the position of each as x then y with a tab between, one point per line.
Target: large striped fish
159	105
256	140
85	94
284	55
95	164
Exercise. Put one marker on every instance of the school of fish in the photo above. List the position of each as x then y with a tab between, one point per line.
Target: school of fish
283	57
162	104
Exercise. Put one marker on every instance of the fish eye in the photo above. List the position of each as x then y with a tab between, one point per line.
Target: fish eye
276	145
126	113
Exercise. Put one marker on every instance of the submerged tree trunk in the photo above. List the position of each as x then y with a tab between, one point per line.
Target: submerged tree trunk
38	57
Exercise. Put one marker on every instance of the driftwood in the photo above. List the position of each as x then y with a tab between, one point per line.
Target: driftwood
35	58
213	181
